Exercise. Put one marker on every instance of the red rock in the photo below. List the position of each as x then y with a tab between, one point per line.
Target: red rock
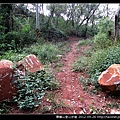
7	88
31	63
110	78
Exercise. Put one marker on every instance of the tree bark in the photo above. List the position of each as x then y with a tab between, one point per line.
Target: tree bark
37	22
116	27
85	32
116	24
37	17
56	22
42	13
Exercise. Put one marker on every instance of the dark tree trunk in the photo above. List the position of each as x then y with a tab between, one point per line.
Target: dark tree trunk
85	32
51	15
116	24
42	13
116	27
56	22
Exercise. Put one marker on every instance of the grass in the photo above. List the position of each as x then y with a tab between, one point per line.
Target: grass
55	101
79	65
63	47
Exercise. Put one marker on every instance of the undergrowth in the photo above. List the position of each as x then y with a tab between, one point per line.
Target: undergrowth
31	88
96	59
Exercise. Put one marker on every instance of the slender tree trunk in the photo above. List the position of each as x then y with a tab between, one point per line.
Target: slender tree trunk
116	24
37	17
56	22
107	10
42	13
116	27
37	21
51	15
85	32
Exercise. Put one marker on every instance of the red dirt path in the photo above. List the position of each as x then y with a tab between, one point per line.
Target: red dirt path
75	99
72	92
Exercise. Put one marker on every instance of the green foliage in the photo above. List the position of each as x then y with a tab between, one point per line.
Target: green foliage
49	32
101	41
22	36
46	52
31	88
9	41
80	64
63	46
4	108
102	59
105	25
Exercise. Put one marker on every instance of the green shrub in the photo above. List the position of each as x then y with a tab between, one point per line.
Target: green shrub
31	88
102	59
101	41
105	25
9	41
46	52
13	56
50	33
89	41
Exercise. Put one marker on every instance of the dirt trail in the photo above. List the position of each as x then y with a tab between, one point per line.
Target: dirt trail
75	99
71	91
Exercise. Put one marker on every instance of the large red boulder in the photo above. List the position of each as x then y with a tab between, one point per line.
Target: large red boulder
110	78
30	63
7	88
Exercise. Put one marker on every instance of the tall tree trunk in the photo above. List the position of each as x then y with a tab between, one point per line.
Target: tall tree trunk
85	32
37	21
116	27
72	14
51	15
42	13
116	24
37	17
56	22
107	10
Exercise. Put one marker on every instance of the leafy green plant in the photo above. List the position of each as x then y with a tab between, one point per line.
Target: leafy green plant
50	33
31	88
4	108
46	52
13	56
101	41
102	59
105	25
